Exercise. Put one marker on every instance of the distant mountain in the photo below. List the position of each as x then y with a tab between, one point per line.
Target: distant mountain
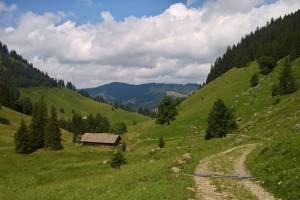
144	95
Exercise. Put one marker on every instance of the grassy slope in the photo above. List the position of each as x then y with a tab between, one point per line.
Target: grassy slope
78	172
70	100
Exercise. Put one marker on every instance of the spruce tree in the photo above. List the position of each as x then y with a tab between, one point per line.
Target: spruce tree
117	160
22	140
38	124
167	111
53	134
220	121
287	83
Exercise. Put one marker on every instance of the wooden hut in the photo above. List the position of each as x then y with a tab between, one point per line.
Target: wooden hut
106	139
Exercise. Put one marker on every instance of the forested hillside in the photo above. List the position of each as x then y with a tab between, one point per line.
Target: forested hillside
20	72
279	38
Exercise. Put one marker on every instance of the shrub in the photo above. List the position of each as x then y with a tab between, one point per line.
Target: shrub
4	121
266	64
161	142
254	81
119	128
118	160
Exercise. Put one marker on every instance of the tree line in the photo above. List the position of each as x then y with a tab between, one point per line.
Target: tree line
43	131
92	124
279	38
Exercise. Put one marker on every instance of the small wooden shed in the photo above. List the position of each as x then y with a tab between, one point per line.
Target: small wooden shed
106	139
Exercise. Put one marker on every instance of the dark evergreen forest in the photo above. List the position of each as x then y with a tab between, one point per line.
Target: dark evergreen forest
279	38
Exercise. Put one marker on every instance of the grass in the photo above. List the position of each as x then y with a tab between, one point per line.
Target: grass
72	101
277	166
78	172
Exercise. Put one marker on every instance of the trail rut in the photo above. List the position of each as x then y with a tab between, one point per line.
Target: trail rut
230	161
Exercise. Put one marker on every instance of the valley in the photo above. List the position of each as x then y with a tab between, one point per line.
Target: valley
234	136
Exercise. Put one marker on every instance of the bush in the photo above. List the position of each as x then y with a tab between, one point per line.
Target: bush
276	101
119	128
161	142
118	160
254	81
266	64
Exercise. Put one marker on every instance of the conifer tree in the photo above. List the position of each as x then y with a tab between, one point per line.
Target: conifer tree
22	140
38	124
117	160
220	121
53	135
287	83
167	111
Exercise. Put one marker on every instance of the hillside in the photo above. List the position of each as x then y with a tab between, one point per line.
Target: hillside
147	175
145	95
70	101
279	38
19	72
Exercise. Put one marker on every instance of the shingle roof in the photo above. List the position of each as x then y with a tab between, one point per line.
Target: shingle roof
104	138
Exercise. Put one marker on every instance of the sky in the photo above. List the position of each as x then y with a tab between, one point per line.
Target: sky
93	42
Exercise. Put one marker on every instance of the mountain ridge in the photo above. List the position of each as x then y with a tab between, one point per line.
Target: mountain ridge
146	95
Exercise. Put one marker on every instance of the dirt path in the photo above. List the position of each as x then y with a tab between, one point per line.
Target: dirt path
231	161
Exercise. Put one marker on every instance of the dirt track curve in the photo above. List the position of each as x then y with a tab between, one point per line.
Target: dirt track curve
231	161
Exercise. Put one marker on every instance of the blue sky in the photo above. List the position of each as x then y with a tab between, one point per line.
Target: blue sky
83	11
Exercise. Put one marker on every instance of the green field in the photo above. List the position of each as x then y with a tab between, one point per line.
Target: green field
78	172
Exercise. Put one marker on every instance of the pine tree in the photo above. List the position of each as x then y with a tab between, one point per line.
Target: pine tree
38	124
161	142
53	134
117	160
22	140
254	81
220	121
287	83
167	111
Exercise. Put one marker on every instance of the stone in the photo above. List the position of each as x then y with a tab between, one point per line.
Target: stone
104	162
186	157
181	162
191	189
175	170
296	127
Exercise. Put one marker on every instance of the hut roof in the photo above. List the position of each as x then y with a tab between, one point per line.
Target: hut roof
103	138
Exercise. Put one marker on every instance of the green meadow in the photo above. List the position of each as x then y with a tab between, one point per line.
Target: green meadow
81	172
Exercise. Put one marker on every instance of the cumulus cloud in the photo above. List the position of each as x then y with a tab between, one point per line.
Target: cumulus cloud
178	45
6	8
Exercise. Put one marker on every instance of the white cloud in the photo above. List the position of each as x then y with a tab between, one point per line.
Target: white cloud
6	8
176	46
